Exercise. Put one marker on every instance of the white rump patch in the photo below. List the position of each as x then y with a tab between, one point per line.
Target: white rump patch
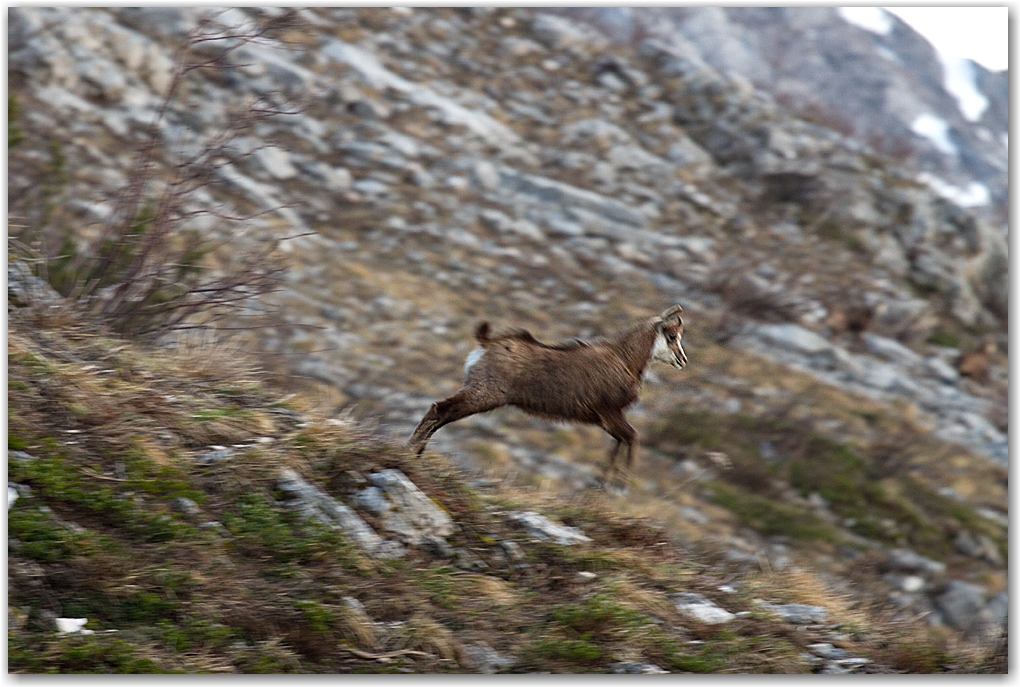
473	357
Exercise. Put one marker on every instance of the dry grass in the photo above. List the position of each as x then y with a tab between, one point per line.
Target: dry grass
262	592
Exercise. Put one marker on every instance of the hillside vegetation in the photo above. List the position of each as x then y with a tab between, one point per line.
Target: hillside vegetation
150	503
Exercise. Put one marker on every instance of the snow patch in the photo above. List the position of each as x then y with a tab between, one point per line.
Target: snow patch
974	195
960	81
874	19
935	130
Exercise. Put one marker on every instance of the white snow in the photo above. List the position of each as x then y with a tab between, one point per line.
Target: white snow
959	80
974	195
874	19
935	130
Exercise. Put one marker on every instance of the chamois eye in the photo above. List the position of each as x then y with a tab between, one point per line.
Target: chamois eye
671	337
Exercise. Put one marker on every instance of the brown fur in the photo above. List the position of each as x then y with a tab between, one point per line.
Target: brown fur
591	382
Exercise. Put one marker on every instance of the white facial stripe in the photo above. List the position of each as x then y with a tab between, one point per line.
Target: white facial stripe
662	352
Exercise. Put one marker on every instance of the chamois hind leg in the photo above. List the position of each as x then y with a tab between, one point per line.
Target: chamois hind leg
457	407
618	428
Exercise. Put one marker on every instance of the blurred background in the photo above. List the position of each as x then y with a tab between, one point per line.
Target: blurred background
347	192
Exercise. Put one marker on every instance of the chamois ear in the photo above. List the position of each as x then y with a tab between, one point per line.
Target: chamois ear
671	313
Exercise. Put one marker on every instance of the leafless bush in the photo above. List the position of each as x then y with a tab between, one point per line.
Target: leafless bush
147	272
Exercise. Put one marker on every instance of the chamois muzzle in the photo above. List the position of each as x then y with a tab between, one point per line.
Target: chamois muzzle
681	357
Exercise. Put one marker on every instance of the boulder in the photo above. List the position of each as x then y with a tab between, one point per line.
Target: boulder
315	503
963	607
404	509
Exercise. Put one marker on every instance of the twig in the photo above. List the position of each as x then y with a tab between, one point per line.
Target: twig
383	657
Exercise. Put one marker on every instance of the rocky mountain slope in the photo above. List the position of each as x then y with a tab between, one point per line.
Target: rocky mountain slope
876	79
452	165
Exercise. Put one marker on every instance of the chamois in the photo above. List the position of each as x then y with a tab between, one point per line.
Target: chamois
590	382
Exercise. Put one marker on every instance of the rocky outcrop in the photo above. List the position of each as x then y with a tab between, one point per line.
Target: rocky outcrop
313	502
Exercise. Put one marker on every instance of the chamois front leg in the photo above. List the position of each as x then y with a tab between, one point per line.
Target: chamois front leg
462	404
621	430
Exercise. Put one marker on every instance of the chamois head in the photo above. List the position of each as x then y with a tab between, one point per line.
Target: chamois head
670	329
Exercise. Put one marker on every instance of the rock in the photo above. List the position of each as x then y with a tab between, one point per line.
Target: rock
182	504
998	607
26	289
844	665
700	608
276	162
890	349
942	370
544	529
980	546
486	175
313	502
437	546
482	658
798	614
373	500
572	197
559	33
216	456
161	21
827	651
911	584
793	338
12	495
452	112
19	456
634	668
72	626
333	178
906	560
686	153
405	510
467	560
596	133
963	607
513	550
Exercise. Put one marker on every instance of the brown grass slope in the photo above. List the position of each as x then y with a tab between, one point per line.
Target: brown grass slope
114	429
